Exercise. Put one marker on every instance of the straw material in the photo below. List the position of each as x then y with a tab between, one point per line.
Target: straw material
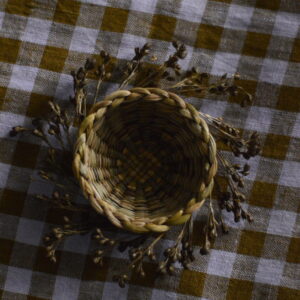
145	159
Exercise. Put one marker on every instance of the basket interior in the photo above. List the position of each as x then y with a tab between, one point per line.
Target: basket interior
145	159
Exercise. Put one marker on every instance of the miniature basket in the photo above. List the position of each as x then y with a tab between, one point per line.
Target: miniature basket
145	159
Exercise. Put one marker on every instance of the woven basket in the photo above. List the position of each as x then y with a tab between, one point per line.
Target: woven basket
145	159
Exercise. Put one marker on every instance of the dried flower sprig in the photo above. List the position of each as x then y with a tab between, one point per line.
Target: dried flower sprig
181	251
102	72
232	137
57	125
80	93
37	131
62	201
55	131
137	255
153	77
231	200
132	66
58	234
80	82
199	84
210	230
105	243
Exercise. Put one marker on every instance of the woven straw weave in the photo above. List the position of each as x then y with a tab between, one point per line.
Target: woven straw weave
145	159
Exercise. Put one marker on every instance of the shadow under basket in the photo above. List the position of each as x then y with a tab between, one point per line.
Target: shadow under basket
145	159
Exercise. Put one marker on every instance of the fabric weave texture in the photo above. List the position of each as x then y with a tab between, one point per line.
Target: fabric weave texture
42	41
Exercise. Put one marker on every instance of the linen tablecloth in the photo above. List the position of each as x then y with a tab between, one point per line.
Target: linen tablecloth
42	41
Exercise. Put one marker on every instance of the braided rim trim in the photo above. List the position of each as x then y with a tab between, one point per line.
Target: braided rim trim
200	128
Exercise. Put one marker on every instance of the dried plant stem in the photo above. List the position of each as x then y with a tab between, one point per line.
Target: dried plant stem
133	66
58	204
158	73
229	170
62	186
42	136
187	85
187	89
58	136
181	251
235	181
142	253
209	230
217	124
212	212
58	234
170	63
129	78
97	90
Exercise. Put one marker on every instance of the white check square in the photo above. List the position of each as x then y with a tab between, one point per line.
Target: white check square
66	288
239	17
36	31
282	222
296	129
22	78
1	19
192	10
29	231
286	24
18	280
225	63
111	290
221	263
290	174
84	40
273	70
259	119
269	271
162	294
145	6
96	2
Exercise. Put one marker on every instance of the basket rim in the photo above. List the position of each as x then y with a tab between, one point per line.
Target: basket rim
187	110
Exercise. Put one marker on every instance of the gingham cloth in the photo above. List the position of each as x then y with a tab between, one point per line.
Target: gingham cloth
42	41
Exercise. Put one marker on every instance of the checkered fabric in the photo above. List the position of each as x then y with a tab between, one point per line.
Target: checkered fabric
41	41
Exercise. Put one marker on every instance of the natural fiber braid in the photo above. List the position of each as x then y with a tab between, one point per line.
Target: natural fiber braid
96	165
